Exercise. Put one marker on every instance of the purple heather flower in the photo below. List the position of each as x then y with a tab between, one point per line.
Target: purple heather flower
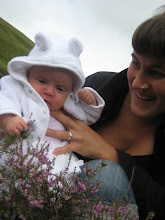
22	217
36	203
7	198
11	160
18	166
52	183
82	186
32	175
28	186
99	207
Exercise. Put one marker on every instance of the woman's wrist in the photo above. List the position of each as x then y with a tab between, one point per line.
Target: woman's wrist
110	154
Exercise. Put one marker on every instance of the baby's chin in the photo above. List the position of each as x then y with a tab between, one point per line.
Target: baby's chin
51	108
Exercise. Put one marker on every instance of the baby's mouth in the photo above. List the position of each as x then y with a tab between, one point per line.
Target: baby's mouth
145	98
48	103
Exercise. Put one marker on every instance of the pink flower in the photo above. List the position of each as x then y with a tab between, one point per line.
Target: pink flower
22	217
7	198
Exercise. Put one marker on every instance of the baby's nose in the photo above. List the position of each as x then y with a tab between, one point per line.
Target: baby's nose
50	91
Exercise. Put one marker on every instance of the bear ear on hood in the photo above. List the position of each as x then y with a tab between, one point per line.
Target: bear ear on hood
75	47
41	41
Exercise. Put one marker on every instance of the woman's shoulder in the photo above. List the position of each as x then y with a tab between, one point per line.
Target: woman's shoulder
97	79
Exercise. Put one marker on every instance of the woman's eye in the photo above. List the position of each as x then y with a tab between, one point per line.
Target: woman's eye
136	64
157	74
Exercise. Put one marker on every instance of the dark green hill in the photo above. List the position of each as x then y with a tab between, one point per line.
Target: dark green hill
12	43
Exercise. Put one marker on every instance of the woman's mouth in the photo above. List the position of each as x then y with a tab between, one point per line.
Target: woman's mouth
144	97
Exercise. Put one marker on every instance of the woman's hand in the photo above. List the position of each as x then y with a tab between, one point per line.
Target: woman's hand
85	141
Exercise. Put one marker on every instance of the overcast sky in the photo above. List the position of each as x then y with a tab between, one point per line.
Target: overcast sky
104	27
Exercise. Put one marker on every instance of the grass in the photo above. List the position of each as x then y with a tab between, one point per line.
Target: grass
12	43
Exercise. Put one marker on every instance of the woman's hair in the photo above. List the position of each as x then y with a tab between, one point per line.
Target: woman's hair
149	37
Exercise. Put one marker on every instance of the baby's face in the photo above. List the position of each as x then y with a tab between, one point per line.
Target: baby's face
52	84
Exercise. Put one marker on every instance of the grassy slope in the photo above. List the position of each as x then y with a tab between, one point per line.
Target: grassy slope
12	43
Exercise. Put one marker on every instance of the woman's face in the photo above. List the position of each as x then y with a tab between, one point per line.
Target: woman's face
148	73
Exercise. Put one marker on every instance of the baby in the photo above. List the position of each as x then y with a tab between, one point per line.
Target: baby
50	78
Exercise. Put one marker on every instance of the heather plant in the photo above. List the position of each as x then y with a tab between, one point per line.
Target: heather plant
29	190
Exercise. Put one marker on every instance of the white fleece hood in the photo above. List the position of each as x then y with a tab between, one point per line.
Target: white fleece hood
52	51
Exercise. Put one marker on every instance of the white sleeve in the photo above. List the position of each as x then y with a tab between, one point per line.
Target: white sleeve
80	110
9	98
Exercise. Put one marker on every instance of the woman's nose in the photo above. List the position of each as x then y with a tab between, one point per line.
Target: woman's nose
140	79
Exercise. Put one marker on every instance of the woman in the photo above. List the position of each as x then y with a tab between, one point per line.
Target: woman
130	131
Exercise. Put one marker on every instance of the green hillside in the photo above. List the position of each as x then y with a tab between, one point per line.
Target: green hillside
12	43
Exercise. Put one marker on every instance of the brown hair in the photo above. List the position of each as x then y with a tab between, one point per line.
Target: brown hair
149	37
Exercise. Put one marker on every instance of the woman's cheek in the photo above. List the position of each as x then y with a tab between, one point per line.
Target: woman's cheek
130	76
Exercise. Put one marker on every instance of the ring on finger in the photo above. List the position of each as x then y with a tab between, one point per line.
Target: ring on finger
70	136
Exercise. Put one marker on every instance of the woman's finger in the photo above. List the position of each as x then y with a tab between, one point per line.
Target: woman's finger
63	150
58	134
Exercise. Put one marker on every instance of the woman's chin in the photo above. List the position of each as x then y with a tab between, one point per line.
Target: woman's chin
141	113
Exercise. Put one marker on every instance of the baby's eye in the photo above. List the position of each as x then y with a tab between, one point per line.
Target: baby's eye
60	89
42	81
